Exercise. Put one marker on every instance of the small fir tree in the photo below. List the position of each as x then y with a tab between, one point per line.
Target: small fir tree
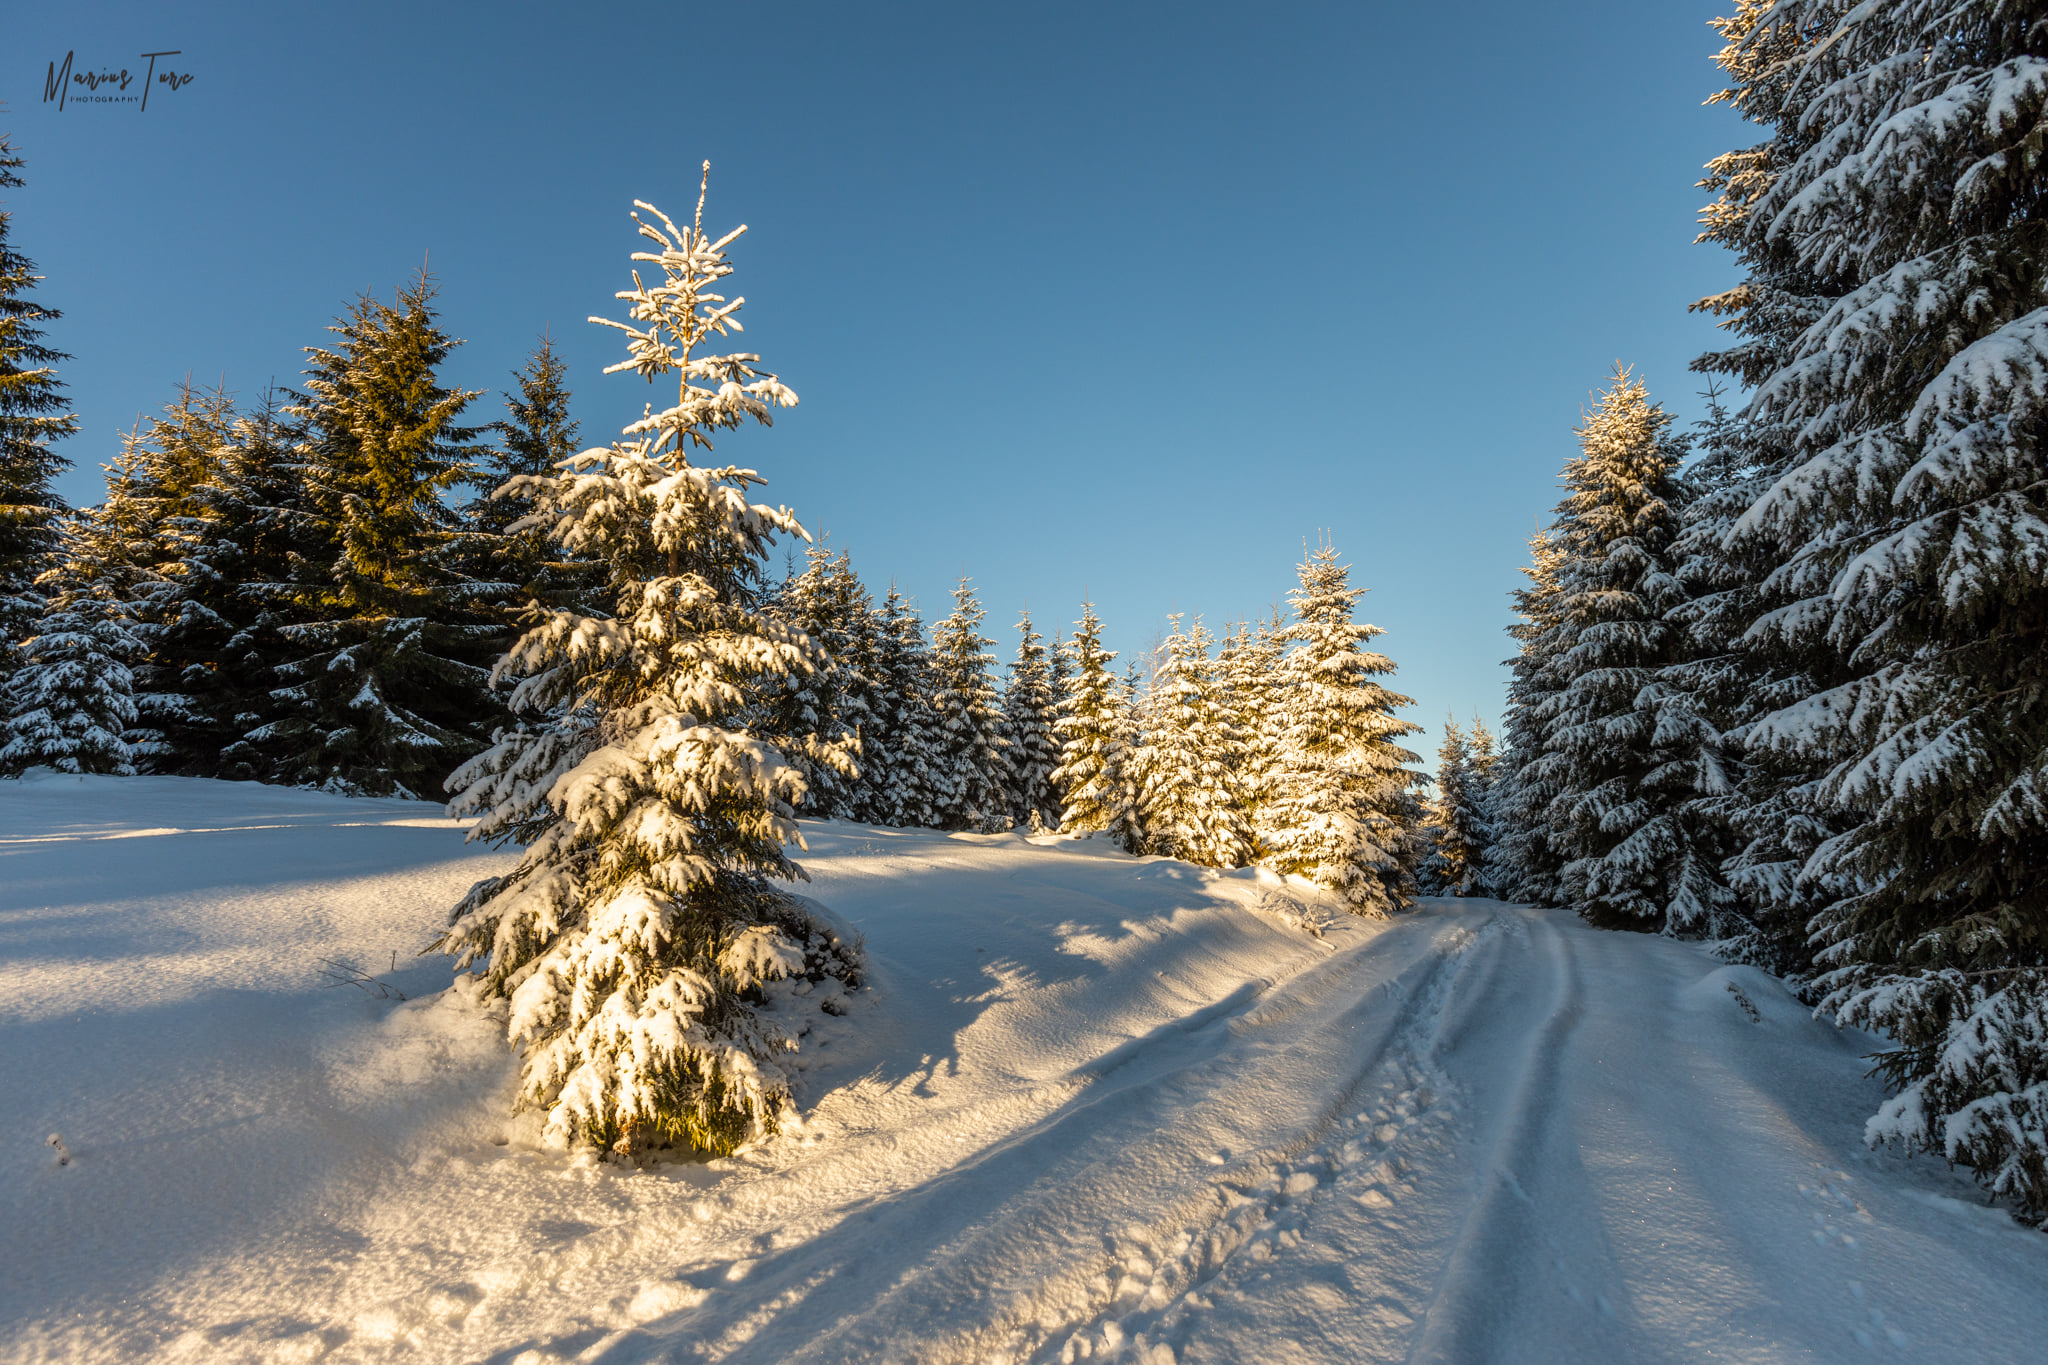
1255	684
534	438
70	706
156	499
635	937
1457	834
1526	863
252	544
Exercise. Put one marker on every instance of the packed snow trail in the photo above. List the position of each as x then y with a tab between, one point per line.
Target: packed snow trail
1092	1108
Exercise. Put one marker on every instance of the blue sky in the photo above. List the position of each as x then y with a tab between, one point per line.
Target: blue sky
1129	301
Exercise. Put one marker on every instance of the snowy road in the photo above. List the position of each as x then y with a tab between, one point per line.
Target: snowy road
1092	1109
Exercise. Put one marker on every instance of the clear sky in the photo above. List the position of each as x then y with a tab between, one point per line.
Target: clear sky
1129	301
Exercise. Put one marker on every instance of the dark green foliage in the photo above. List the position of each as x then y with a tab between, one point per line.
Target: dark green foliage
514	568
387	688
32	419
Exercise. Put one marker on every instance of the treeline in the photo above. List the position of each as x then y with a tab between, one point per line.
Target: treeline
1276	744
295	592
1782	680
316	589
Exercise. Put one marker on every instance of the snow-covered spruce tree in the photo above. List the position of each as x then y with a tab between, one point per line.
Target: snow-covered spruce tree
1028	720
1525	865
1193	807
1483	773
1756	621
388	688
32	419
1485	758
1090	726
829	702
248	548
972	746
70	706
1626	770
536	435
1136	697
636	936
1455	864
154	504
902	773
1722	677
1255	684
1916	512
1343	810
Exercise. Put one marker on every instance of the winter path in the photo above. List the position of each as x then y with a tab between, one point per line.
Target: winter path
1092	1108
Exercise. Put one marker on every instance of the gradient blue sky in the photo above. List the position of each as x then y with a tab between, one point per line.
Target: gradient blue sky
1128	301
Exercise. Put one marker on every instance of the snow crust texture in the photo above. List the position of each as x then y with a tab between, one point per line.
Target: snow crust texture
1091	1108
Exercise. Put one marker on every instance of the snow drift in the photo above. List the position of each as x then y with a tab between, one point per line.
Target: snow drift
1090	1108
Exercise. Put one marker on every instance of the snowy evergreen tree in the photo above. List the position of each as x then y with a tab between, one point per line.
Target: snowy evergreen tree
1483	774
830	703
1525	862
1343	811
70	705
249	548
903	773
1904	181
643	924
1455	864
1028	723
32	419
156	503
1255	684
1193	807
1091	729
388	689
1726	675
533	438
972	747
1630	765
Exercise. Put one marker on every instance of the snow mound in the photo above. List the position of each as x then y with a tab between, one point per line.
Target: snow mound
1089	1107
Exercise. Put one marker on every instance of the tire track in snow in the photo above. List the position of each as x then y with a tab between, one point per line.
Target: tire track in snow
1023	1248
1355	1152
1503	1236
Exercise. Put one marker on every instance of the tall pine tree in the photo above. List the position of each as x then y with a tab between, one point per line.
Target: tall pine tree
1902	190
33	418
388	689
1640	848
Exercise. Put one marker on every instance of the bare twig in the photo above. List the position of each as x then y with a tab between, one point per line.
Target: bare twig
344	974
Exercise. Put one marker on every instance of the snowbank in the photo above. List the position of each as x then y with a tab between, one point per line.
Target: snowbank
1090	1107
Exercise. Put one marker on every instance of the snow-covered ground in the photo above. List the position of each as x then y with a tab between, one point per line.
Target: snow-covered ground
1091	1108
